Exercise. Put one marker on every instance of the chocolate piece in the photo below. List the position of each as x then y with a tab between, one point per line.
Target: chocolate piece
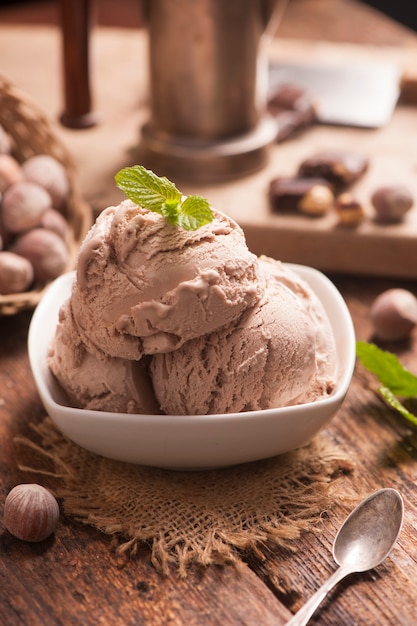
289	123
340	168
313	196
289	97
349	210
293	109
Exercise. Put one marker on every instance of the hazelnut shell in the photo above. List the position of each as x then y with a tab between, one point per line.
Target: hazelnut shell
31	512
16	273
392	202
394	314
46	251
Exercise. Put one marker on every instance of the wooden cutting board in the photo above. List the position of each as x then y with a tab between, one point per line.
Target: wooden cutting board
368	249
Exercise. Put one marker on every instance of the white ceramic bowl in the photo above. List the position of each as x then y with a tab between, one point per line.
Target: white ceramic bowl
191	441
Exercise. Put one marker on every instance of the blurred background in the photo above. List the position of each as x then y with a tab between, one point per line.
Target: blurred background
126	13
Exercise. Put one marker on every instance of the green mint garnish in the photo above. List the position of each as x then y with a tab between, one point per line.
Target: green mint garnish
388	369
395	379
391	399
160	195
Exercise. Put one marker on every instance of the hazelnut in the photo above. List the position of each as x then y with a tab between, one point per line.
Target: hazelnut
4	233
50	174
349	210
55	221
5	142
317	201
392	202
10	171
31	512
23	205
16	273
394	314
46	251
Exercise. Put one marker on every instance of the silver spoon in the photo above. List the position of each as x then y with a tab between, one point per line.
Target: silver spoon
364	540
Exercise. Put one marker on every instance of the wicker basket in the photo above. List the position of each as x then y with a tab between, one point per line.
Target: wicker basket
31	134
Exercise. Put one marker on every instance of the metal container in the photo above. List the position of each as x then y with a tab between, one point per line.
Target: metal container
208	87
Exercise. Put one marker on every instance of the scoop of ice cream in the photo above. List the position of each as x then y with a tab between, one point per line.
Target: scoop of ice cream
280	352
103	384
144	286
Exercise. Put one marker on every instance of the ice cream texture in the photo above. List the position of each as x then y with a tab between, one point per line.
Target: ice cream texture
187	321
103	384
145	286
280	352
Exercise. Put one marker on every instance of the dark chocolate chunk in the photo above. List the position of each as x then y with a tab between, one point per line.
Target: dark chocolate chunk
293	109
289	123
340	168
289	97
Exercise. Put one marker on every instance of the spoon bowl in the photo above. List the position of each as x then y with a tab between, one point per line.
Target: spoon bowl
364	540
368	534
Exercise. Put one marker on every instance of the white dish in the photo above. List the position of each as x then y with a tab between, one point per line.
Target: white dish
191	442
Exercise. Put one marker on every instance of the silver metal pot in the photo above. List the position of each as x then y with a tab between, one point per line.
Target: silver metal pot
208	87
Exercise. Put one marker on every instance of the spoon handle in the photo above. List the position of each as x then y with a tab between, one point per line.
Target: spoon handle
303	615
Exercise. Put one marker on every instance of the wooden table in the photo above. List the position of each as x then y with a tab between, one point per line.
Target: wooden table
75	578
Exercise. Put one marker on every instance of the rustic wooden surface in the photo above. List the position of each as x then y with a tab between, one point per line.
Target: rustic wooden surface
75	578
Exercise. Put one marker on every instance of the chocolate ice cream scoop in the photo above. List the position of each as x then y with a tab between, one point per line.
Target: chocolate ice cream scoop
145	286
280	352
98	383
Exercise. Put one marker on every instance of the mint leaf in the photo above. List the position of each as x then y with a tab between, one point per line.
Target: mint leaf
146	188
195	212
395	379
393	401
160	195
388	369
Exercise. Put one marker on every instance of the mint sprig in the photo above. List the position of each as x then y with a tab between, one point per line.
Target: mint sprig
160	195
396	380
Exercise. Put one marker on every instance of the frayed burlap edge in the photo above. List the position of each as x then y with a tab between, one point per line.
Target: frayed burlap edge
205	517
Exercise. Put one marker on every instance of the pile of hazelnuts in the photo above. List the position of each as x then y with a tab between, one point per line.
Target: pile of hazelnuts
34	234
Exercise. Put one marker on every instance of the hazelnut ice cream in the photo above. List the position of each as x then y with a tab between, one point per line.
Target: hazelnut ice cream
279	352
102	384
179	320
144	286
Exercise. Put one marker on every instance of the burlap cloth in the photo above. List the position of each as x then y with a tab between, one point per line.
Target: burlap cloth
203	517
